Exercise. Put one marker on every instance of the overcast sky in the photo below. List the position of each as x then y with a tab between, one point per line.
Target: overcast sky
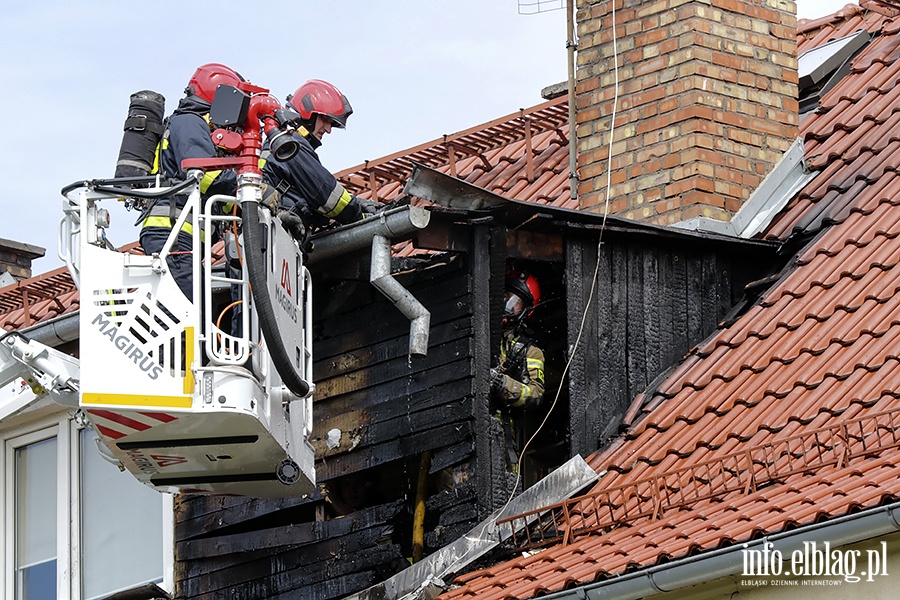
412	69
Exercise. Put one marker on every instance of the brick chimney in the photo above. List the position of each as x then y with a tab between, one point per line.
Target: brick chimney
16	258
707	103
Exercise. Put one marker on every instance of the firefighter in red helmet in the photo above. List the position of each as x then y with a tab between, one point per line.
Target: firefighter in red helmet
309	196
517	382
187	136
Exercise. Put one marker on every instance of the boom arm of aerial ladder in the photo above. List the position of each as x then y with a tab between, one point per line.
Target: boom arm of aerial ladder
46	371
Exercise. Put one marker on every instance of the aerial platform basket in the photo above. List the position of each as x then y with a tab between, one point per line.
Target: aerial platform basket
177	399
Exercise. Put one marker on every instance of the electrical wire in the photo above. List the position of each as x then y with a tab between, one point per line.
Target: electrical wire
587	305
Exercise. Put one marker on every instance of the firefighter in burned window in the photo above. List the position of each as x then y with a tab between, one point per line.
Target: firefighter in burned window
517	381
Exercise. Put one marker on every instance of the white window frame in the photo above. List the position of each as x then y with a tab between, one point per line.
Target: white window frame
68	506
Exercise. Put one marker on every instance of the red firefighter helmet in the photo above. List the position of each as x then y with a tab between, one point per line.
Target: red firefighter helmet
208	77
320	97
525	286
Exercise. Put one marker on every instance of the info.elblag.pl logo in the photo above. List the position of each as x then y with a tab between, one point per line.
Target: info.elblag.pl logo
813	560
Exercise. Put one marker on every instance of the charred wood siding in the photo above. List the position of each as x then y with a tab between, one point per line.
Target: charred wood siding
386	404
388	407
653	302
327	559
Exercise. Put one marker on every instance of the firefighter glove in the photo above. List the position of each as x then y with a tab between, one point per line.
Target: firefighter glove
293	224
369	207
270	197
498	381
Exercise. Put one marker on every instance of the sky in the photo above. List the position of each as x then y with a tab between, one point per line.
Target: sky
413	70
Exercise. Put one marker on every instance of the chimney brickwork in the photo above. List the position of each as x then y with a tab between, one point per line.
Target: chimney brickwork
16	258
707	103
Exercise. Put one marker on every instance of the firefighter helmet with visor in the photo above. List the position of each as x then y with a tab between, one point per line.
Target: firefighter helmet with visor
522	294
317	97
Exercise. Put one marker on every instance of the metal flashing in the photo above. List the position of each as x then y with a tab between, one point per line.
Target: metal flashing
789	176
433	570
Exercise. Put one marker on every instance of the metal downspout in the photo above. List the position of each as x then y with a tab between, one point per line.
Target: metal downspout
379	231
573	141
380	276
706	567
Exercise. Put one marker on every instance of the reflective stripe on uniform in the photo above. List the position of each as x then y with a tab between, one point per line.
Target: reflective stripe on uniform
162	145
207	180
166	223
537	365
525	393
337	201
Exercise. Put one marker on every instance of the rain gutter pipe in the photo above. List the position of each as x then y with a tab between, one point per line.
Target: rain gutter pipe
54	332
379	232
706	567
571	46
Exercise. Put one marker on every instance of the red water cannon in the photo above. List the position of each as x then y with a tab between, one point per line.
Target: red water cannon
241	115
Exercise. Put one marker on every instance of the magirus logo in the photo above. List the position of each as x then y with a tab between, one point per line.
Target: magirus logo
128	347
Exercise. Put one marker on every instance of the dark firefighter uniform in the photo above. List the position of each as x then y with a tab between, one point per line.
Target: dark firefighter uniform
188	136
309	190
518	383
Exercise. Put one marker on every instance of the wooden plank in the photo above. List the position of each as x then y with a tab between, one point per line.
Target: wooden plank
679	303
291	569
438	294
378	321
613	363
383	431
214	572
654	304
217	547
379	402
583	389
724	286
447	434
353	358
635	336
710	302
667	294
331	588
424	367
452	455
534	245
444	499
208	513
694	296
488	268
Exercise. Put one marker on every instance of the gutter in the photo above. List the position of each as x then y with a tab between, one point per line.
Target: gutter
54	332
392	224
706	567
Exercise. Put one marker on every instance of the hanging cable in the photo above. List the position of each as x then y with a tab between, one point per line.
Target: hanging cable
596	274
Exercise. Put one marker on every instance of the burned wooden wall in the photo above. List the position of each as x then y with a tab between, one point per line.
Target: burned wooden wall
377	412
655	298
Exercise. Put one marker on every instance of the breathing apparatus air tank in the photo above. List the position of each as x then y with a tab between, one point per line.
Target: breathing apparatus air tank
144	128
